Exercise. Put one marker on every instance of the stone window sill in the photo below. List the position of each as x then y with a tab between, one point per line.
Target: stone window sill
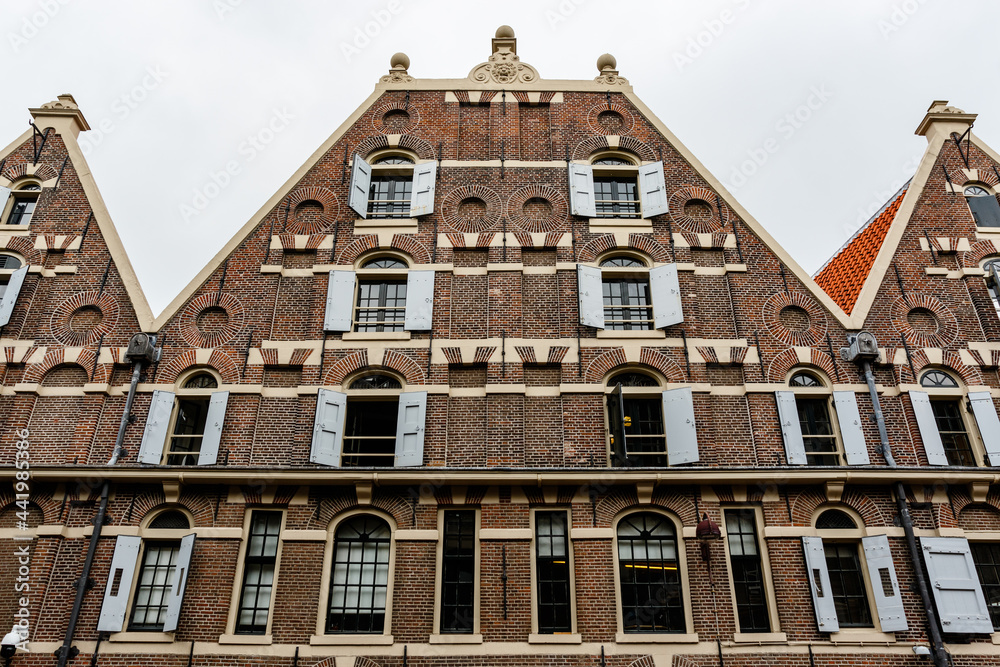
567	638
376	335
643	333
258	640
142	637
455	639
656	638
760	638
350	640
862	636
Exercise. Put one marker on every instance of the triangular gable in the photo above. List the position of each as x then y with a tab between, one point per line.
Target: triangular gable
843	276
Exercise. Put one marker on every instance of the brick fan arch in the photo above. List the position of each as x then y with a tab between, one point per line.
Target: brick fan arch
325	198
378	116
451	202
555	220
219	361
54	358
591	145
401	242
62	315
639	242
786	360
628	120
43	172
423	149
947	322
682	196
771	314
805	504
189	320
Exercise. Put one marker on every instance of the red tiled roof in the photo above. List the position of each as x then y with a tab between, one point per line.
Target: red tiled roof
845	274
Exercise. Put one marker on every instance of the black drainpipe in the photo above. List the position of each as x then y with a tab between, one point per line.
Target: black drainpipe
67	651
941	658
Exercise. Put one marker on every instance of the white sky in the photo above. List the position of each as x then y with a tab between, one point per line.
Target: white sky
722	74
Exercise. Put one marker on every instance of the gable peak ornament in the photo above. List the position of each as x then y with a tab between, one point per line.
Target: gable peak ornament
503	66
606	65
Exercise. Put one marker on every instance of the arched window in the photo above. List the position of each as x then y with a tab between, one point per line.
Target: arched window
381	295
983	205
649	574
190	417
22	201
615	185
991	268
188	421
359	581
941	416
806	411
392	185
627	302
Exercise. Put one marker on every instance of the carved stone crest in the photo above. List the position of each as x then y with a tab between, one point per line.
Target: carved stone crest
504	66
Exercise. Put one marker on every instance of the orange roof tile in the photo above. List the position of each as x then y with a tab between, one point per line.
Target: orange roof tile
845	274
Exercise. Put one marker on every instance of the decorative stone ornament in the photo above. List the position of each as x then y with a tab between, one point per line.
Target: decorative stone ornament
504	67
398	64
606	66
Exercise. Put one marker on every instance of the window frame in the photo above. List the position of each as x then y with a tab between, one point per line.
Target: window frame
232	636
383	277
958	396
988	191
356	396
475	636
362	639
823	391
397	171
621	173
5	273
573	635
653	392
989	538
181	393
770	600
155	536
688	635
852	536
610	274
18	192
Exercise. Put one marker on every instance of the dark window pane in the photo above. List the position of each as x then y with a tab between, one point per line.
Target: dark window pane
817	431
552	569
381	306
616	197
626	304
258	573
156	573
748	575
24	208
645	439
458	570
649	573
987	559
848	585
370	435
389	196
954	438
360	579
189	429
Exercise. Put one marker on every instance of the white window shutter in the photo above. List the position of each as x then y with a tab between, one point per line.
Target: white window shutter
214	422
929	432
652	190
339	301
175	594
791	429
10	295
855	447
885	585
410	426
154	438
581	190
361	181
419	312
4	196
819	584
665	293
422	192
328	429
958	596
591	292
988	422
679	425
116	593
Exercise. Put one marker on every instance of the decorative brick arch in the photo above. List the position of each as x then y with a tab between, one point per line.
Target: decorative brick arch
403	365
326	219
43	172
979	251
816	325
644	661
188	320
331	507
49	508
451	203
412	247
946	321
150	503
970	375
357	247
785	361
616	501
61	322
638	242
378	117
218	361
805	504
556	217
682	196
423	149
404	243
344	366
622	500
86	359
661	362
589	146
23	246
989	514
603	363
594	114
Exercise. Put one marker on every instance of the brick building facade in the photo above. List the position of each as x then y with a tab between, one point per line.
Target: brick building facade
475	386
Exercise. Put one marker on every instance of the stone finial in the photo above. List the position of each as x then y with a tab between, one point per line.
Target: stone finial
504	32
942	119
606	65
64	101
504	41
398	66
504	67
62	114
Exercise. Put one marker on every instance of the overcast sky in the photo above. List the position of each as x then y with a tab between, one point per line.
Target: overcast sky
805	110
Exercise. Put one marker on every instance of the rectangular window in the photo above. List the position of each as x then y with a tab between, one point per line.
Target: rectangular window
189	430
645	439
458	571
381	306
616	197
552	570
748	571
258	573
627	305
389	196
954	437
818	436
986	556
848	585
22	211
156	573
370	437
